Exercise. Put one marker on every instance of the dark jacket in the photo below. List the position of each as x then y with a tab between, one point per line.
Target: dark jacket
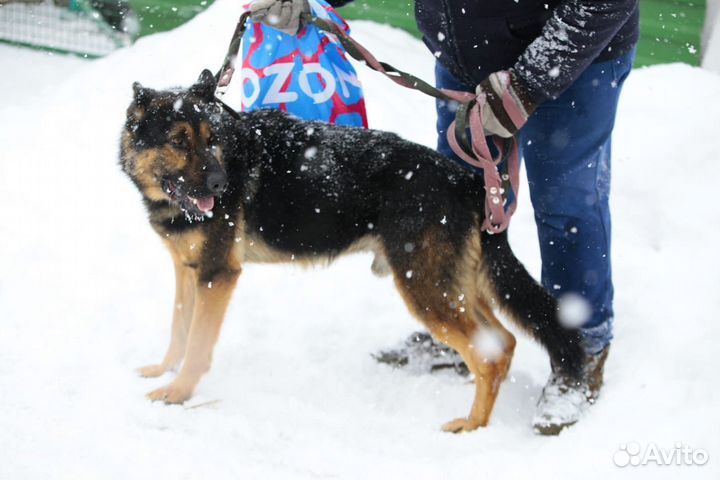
549	43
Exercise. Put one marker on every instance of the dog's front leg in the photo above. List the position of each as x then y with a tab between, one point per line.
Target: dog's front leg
212	296
185	280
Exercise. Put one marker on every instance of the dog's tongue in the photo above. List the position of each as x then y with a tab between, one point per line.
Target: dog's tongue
205	204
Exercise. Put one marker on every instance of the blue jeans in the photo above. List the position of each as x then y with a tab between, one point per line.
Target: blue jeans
566	149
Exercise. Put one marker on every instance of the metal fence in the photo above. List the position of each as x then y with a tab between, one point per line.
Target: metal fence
90	28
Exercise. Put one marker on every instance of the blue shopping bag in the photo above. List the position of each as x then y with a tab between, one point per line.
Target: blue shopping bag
307	75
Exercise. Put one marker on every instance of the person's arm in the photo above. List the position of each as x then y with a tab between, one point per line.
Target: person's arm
575	35
572	38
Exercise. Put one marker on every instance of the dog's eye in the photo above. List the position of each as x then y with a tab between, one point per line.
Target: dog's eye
178	140
211	139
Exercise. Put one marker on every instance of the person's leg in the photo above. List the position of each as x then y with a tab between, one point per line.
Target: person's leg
566	147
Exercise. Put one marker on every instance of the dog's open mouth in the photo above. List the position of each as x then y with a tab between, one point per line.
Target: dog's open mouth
204	204
197	206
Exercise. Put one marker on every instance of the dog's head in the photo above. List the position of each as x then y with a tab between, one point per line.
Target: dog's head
172	146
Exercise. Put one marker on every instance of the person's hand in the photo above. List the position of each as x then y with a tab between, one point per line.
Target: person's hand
508	105
283	15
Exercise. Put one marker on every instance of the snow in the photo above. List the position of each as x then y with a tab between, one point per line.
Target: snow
573	310
86	296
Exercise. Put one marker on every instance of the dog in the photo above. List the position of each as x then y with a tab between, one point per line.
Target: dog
263	186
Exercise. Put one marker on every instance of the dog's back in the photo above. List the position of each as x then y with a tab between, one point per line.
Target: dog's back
315	189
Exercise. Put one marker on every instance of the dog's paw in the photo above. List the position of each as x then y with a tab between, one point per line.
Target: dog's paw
152	371
462	424
172	393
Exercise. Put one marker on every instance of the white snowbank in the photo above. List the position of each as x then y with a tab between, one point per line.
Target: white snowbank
86	292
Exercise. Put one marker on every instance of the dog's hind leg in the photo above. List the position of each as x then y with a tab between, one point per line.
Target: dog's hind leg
212	296
182	316
460	332
462	335
427	279
501	337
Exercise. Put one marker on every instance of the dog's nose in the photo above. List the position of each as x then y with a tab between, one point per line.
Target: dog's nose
217	181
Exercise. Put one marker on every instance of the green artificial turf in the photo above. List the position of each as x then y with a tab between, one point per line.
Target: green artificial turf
670	31
162	15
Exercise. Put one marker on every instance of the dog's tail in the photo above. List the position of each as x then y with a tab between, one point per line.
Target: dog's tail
529	304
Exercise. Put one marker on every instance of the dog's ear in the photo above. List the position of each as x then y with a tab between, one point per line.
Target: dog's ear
141	95
141	99
205	86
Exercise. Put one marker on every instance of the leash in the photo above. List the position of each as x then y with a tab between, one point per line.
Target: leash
501	173
225	74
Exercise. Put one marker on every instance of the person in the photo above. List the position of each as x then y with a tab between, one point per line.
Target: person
563	64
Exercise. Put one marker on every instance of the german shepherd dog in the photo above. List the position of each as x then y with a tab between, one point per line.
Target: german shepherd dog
222	190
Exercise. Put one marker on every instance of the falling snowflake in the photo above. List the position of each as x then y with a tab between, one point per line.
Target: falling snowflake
310	152
489	344
573	310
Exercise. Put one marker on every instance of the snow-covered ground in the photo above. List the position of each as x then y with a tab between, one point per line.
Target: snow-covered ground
86	295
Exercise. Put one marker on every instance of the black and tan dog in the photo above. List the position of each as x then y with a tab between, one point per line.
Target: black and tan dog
267	187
